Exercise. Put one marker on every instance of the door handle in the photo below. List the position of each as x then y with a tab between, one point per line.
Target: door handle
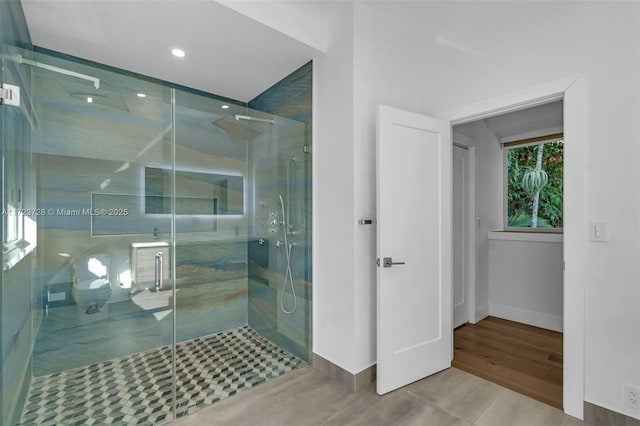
159	270
387	262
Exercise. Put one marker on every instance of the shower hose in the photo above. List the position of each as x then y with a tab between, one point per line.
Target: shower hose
288	276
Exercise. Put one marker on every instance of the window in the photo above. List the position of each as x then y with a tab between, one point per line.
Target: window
533	187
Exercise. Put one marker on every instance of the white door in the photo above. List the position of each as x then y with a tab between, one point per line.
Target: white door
460	284
414	231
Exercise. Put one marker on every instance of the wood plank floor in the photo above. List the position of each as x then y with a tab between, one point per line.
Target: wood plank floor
522	358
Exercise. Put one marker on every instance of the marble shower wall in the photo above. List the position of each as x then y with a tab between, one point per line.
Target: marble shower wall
289	176
93	155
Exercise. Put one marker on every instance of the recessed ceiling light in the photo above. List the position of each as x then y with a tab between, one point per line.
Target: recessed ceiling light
141	95
178	53
225	107
89	99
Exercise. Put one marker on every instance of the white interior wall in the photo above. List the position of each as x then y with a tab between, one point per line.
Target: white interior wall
439	56
488	195
309	22
507	286
525	280
431	57
334	318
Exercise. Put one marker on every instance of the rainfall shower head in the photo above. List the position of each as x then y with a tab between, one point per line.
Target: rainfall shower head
258	119
102	96
235	127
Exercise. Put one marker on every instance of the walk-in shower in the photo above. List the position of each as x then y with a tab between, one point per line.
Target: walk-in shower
159	256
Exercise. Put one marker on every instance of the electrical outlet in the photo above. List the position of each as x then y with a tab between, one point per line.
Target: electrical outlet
632	396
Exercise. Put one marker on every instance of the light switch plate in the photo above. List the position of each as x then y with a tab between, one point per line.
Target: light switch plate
599	232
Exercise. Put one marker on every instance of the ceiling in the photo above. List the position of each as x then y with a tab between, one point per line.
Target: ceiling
526	123
227	53
545	118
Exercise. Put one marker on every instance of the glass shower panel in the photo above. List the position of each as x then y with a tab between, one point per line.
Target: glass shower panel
106	321
211	221
18	201
280	244
211	256
215	253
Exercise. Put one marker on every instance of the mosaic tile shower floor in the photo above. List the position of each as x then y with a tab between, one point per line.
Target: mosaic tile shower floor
137	389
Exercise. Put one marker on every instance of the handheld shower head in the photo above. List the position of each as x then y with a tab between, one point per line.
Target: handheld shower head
282	206
288	276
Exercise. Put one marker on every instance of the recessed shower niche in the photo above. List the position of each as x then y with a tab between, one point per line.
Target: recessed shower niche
217	199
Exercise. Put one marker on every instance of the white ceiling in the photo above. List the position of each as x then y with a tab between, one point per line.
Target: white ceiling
525	123
228	54
545	118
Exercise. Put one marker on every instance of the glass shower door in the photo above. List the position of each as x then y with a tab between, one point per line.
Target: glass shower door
103	319
18	238
232	335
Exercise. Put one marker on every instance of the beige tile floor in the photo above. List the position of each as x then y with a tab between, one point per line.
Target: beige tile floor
306	397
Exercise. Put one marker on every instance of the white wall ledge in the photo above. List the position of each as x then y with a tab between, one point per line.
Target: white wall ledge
541	237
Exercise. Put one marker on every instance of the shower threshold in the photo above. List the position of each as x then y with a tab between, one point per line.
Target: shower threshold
136	389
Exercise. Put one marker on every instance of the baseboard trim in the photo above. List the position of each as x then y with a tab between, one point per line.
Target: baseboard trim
536	319
600	416
352	382
482	312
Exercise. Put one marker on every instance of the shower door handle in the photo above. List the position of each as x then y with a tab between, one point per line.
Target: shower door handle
387	262
159	278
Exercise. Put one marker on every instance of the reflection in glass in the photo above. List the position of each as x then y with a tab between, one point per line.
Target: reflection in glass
196	193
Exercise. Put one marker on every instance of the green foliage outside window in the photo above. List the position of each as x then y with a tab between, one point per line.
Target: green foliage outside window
534	172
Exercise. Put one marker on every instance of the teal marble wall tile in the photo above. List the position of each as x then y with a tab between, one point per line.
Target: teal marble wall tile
290	97
69	338
282	167
263	312
225	315
16	327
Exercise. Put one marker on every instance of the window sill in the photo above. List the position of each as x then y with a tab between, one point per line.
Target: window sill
540	237
16	253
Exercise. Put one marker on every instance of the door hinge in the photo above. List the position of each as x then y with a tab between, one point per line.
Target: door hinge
10	95
378	262
306	149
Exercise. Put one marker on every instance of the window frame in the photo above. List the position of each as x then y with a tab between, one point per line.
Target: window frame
506	146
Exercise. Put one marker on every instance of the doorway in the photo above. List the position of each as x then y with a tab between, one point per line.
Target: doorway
572	91
517	341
